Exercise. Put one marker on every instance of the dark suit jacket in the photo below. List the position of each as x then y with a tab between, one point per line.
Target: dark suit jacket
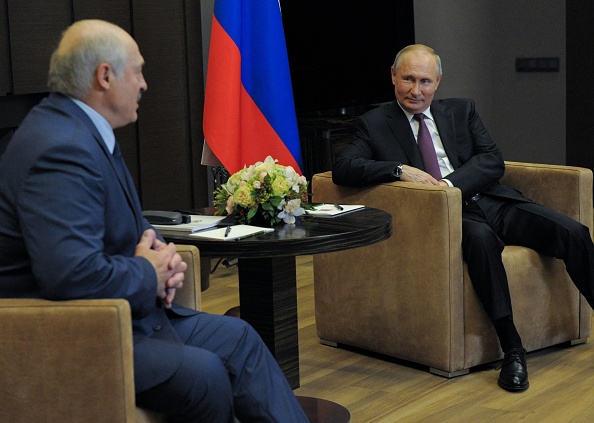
384	139
69	225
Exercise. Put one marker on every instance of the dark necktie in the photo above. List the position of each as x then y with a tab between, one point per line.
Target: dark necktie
127	184
427	148
121	166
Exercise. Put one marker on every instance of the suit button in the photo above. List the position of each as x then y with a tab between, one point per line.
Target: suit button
156	328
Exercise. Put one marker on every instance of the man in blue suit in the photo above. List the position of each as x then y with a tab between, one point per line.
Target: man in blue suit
71	227
388	147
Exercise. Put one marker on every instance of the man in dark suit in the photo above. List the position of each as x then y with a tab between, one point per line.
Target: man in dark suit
389	146
71	227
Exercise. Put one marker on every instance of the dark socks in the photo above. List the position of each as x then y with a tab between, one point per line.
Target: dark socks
509	338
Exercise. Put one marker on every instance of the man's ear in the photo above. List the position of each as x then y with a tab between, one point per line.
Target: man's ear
103	76
438	81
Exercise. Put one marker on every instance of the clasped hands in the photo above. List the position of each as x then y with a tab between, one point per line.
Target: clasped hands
412	174
167	263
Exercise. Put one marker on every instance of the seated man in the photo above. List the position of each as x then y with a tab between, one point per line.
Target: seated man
71	227
443	142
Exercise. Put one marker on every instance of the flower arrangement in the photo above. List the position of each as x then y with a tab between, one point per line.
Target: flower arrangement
265	192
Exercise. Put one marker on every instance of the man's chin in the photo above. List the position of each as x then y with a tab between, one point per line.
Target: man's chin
415	107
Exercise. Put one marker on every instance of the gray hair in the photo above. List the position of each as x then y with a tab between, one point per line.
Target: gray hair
418	47
71	71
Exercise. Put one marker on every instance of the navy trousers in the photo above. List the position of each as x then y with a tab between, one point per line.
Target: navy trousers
227	371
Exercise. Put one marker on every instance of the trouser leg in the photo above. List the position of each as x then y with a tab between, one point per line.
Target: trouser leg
260	390
554	234
199	391
481	249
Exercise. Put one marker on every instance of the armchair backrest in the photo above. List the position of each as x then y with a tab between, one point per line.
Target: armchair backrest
566	189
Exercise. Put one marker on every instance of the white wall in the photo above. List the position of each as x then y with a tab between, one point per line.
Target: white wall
478	41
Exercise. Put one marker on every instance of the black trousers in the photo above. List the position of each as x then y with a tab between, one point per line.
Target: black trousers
491	223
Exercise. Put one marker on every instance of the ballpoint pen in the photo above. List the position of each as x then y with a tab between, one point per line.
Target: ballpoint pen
227	231
338	207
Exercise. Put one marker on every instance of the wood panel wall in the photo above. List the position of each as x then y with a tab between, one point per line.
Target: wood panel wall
163	148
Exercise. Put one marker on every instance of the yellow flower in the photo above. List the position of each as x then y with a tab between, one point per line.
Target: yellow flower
243	196
280	186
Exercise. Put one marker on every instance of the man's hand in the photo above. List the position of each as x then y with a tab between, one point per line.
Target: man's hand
412	174
167	263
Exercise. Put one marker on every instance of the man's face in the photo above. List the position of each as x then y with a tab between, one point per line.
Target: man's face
415	81
127	89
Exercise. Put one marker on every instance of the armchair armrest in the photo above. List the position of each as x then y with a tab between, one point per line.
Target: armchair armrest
423	258
66	361
190	295
415	208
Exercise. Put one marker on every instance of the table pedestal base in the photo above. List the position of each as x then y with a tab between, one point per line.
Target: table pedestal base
319	410
268	302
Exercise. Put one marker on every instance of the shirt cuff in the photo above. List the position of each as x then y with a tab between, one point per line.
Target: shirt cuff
447	181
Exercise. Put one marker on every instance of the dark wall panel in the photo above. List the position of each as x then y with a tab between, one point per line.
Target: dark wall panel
195	77
5	71
166	177
580	92
35	27
115	11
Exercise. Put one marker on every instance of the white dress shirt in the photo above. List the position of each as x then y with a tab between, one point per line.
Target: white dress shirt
444	162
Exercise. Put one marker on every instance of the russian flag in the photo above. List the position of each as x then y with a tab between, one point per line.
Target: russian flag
249	111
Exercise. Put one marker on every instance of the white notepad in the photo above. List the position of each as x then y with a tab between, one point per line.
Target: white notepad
330	210
233	232
198	223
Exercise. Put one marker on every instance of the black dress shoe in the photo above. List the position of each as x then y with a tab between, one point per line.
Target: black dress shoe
514	371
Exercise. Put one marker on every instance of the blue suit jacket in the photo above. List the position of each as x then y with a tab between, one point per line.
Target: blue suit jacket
69	225
384	138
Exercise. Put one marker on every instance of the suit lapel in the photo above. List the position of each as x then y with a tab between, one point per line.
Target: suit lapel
444	120
400	127
63	103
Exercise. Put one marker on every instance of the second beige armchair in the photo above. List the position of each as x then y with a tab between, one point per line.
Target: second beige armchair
410	297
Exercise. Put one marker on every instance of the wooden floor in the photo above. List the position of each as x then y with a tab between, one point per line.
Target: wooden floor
377	389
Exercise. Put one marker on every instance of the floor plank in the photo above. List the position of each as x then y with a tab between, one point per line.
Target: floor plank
376	389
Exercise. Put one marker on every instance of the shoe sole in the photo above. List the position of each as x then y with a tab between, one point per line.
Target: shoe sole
513	388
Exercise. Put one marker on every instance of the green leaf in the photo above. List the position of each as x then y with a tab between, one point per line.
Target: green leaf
275	201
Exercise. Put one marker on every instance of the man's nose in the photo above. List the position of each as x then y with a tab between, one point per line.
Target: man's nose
143	84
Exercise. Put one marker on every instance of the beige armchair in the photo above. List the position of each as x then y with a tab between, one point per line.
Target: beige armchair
71	361
410	297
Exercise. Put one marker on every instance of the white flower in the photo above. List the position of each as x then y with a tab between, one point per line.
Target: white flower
290	209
